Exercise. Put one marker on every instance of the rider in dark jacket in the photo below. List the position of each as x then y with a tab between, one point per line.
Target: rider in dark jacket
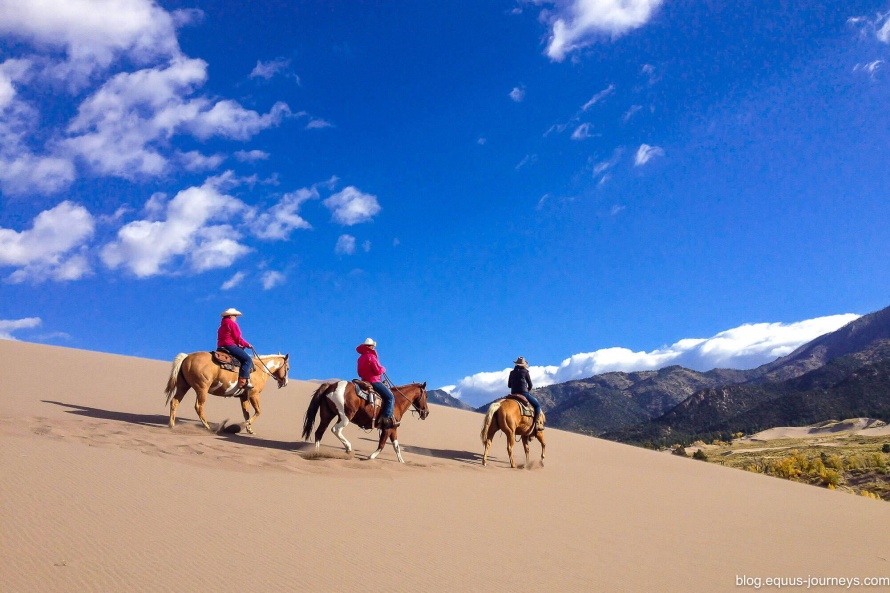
520	381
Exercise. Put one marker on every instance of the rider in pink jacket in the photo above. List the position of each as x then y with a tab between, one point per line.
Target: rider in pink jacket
370	370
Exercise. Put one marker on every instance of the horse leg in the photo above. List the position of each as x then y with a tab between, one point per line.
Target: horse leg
492	430
181	388
199	407
324	419
383	435
394	437
337	429
254	399
511	437
526	447
540	437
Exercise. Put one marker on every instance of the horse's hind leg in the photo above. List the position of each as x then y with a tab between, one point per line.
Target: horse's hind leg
526	447
324	418
199	407
540	437
492	430
181	388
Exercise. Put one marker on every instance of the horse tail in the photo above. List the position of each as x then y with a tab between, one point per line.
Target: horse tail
312	410
174	375
492	409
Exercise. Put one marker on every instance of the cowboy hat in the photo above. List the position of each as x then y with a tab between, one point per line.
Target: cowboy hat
520	361
230	312
370	342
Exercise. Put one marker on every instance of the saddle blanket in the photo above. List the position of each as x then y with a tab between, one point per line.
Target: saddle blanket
225	360
524	405
364	390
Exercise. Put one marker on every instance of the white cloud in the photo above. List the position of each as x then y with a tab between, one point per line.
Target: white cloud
366	246
598	97
602	167
518	94
93	33
582	132
146	247
575	24
196	161
481	141
122	128
870	68
645	153
233	281
879	26
318	124
21	170
345	245
744	347
351	206
7	326
53	248
271	279
630	113
529	159
284	217
269	69
251	156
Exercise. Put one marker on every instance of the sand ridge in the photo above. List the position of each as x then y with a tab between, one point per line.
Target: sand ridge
100	495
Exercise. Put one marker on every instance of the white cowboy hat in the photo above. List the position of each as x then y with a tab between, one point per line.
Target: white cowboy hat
230	312
370	342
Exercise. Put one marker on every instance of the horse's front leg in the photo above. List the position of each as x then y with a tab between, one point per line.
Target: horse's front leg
394	437
254	399
199	407
511	438
383	436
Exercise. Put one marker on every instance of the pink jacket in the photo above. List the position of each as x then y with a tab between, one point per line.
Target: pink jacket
229	334
369	368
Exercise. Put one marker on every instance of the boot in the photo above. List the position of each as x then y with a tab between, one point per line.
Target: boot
539	424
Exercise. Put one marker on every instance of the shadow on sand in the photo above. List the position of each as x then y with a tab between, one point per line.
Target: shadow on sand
161	420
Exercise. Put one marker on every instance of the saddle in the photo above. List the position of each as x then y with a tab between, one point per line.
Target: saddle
365	390
225	360
524	404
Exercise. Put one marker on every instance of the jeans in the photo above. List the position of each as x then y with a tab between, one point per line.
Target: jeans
243	356
535	403
388	399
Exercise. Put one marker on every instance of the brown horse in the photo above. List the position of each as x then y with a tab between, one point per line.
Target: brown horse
506	415
197	371
339	399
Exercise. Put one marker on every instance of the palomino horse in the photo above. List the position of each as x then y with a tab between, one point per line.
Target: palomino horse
506	415
197	371
339	399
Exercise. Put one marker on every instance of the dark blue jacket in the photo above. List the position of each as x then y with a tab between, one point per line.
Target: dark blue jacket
520	381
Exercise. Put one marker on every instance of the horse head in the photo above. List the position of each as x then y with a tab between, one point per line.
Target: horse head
420	401
280	374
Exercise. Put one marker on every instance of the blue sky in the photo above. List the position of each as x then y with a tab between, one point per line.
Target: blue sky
595	185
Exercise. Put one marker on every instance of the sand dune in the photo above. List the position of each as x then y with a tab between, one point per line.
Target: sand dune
98	494
859	426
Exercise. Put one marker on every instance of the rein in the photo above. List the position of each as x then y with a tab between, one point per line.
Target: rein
267	368
399	391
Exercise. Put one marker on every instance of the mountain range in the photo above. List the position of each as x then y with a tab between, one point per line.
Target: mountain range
845	373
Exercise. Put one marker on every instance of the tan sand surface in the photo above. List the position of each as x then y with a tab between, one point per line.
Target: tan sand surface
860	426
98	494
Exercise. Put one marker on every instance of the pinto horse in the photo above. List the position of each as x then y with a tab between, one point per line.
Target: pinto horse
506	415
198	371
339	399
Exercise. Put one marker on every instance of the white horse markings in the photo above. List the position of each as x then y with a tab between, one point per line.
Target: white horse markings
339	399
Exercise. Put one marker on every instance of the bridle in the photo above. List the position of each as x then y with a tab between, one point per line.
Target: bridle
281	382
410	401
